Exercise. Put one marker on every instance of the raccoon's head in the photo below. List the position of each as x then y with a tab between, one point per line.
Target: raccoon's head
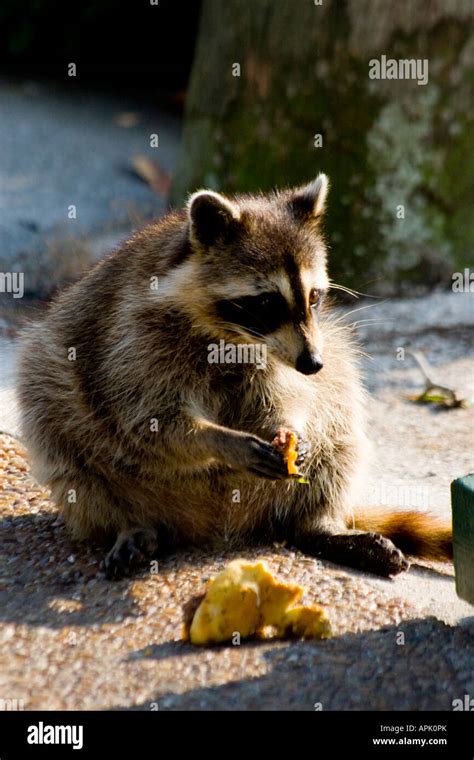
259	270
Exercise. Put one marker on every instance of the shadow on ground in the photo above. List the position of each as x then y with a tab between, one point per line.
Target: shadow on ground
412	666
43	571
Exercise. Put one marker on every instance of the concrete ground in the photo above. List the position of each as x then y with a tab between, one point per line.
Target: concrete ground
70	639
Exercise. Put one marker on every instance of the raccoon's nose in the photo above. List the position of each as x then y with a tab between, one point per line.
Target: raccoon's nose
309	362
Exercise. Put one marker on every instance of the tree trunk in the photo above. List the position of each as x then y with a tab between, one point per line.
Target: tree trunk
399	152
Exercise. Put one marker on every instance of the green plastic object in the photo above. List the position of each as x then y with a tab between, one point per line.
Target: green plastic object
462	502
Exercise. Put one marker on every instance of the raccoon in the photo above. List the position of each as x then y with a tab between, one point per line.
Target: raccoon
147	443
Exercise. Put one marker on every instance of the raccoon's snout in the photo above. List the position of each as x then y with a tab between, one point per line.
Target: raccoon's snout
309	362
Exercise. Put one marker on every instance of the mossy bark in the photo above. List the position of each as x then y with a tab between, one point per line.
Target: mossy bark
386	143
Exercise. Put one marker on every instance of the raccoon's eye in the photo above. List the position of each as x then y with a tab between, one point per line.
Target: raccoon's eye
259	315
264	302
314	296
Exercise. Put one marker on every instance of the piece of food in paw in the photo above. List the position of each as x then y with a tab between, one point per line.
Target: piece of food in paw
246	599
286	442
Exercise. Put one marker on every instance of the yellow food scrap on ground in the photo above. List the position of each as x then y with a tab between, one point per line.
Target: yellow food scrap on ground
246	599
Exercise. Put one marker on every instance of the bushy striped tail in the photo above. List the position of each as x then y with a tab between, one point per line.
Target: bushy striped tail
417	533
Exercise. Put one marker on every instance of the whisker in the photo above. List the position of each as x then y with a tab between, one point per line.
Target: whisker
374	321
367	306
344	315
367	356
350	291
238	331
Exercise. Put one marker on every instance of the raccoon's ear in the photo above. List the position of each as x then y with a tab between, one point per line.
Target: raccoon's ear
212	217
309	201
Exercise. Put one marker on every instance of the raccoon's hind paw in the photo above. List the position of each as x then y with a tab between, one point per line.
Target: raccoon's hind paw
131	549
370	552
377	554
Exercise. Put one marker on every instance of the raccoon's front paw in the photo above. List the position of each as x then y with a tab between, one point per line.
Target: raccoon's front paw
263	460
303	449
293	447
131	549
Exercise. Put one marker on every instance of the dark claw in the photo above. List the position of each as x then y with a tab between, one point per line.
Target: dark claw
304	448
128	554
120	561
303	452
